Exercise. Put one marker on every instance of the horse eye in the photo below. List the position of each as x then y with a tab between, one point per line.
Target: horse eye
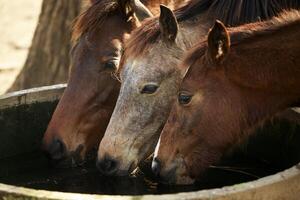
149	89
184	98
110	65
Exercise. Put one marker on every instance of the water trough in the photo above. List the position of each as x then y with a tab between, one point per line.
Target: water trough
273	156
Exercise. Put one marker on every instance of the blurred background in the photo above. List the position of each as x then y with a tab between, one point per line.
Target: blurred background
17	24
35	42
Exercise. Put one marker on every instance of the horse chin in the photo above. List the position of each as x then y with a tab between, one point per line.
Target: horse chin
72	159
182	175
174	177
127	171
184	180
68	162
176	173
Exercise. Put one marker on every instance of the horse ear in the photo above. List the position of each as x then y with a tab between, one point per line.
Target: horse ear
140	10
218	43
168	23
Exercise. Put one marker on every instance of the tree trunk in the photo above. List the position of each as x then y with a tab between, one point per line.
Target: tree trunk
48	58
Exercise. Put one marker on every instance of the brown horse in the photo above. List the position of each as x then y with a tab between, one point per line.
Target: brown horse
82	114
150	76
236	81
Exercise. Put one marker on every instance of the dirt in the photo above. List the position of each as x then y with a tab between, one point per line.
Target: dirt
17	24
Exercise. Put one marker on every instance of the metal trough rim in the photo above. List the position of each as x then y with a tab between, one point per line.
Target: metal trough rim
40	94
283	185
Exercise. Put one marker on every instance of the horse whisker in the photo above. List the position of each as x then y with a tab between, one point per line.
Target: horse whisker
233	169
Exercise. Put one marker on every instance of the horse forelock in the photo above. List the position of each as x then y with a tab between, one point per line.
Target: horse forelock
92	19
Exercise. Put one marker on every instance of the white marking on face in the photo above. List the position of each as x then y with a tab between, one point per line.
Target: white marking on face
157	148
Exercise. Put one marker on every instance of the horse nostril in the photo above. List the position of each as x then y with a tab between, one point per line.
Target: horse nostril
156	167
107	166
56	150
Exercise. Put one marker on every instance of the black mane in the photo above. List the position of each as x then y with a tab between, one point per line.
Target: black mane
236	12
230	12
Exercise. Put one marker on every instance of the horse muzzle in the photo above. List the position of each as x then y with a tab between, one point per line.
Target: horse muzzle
174	174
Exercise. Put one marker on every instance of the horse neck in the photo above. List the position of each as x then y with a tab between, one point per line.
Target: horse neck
264	61
265	70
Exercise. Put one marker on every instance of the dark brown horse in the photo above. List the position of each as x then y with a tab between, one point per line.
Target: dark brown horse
236	81
150	76
82	114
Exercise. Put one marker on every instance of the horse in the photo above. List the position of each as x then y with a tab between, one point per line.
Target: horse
237	79
84	110
150	75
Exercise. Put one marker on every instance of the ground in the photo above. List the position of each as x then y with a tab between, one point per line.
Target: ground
17	24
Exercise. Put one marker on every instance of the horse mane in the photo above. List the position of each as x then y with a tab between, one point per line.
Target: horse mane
92	19
237	12
231	13
248	31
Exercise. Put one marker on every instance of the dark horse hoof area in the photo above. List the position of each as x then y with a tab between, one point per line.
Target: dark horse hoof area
24	117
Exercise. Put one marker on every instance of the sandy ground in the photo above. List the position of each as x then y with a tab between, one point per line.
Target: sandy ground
17	24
